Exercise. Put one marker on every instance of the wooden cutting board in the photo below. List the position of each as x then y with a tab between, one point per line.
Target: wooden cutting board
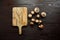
19	17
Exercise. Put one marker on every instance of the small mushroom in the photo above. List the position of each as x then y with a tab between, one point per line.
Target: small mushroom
41	26
40	21
36	9
36	20
43	14
32	12
32	19
31	23
29	15
37	15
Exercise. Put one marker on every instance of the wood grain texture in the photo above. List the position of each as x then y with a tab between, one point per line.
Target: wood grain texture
19	17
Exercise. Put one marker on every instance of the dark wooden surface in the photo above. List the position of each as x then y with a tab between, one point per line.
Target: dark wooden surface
51	22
